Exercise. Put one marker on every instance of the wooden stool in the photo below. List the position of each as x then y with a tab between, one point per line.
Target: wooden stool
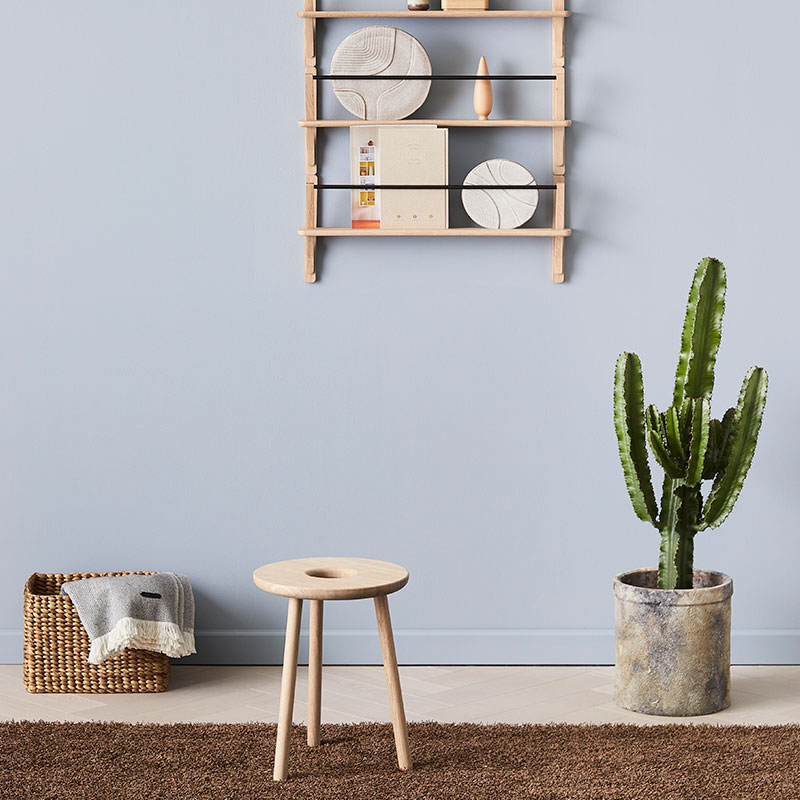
317	580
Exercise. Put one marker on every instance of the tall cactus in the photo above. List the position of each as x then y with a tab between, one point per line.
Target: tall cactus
689	445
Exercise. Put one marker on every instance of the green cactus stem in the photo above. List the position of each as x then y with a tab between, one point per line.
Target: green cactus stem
688	444
670	538
745	427
629	423
702	333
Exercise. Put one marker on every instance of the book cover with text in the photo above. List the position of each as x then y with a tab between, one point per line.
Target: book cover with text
414	155
366	209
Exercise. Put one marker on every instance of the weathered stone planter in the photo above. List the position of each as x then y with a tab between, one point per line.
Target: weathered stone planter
673	647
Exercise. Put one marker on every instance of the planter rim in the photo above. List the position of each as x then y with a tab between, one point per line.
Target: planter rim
718	593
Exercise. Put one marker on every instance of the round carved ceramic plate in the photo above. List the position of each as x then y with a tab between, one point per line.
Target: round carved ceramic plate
379	50
500	208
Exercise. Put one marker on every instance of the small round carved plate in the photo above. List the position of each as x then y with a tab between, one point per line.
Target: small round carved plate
500	208
379	50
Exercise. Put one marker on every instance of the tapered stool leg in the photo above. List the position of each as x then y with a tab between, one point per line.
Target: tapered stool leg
288	678
314	671
393	682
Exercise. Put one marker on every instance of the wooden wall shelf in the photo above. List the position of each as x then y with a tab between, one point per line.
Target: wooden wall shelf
555	13
312	124
367	232
449	123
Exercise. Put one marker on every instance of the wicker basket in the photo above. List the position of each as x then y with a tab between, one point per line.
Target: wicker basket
57	646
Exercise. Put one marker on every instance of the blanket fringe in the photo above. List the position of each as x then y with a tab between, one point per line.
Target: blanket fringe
142	634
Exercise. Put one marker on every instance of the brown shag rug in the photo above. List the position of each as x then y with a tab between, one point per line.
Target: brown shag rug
110	761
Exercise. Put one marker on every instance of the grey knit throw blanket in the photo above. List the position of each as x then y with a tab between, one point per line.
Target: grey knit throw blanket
144	612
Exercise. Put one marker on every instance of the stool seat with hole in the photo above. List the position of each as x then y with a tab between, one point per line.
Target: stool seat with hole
317	580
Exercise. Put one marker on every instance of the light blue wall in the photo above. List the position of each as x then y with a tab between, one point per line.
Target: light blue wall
175	397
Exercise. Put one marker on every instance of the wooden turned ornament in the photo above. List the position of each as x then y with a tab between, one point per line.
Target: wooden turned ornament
483	99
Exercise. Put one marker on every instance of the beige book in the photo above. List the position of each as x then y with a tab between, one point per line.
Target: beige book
414	155
465	5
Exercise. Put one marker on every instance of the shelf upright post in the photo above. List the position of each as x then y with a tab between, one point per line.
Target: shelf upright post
559	224
559	139
310	56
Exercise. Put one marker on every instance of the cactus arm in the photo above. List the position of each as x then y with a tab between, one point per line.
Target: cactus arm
672	424
663	455
743	439
654	420
670	503
698	444
687	410
713	449
630	428
726	440
702	332
657	437
719	445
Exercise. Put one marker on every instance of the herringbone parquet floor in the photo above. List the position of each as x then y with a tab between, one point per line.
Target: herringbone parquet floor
761	695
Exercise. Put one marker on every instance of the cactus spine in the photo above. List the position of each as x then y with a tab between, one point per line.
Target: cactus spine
688	444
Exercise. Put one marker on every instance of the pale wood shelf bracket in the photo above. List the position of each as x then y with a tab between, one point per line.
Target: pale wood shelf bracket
312	113
558	124
559	139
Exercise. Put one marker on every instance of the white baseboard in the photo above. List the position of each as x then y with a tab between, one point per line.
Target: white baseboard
477	647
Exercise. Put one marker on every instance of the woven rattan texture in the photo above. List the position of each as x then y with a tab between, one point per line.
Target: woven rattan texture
57	647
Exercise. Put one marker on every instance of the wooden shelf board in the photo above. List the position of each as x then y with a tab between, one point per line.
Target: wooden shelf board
541	232
433	14
446	123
